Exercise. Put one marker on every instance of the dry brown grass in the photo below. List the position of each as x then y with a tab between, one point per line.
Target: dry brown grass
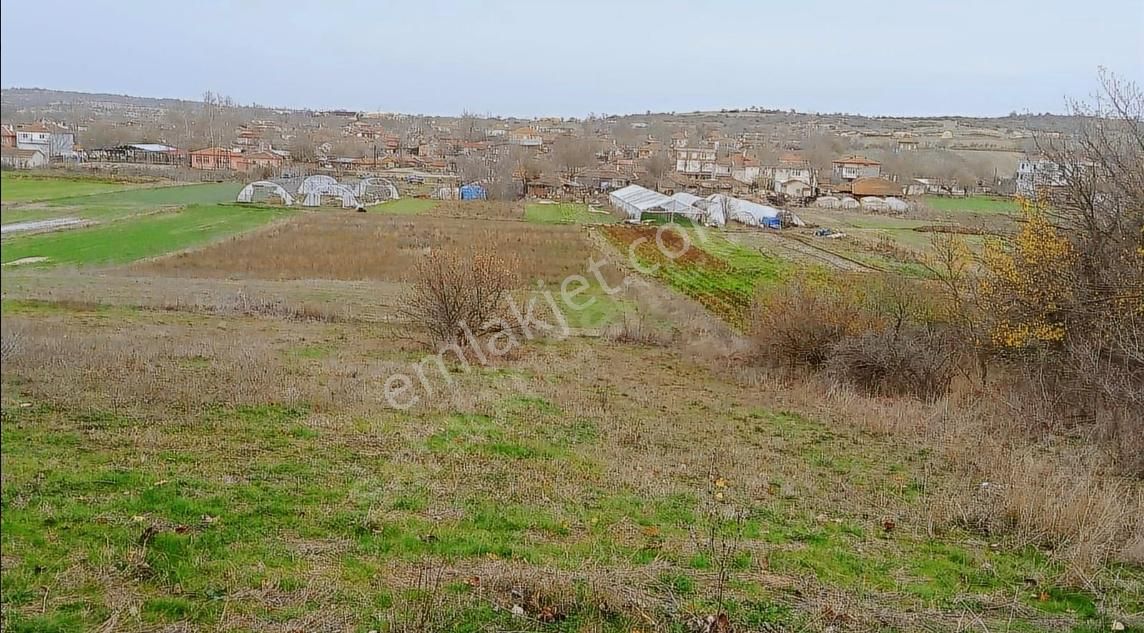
478	210
1052	493
355	246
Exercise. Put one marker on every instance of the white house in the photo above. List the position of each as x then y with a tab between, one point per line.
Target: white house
525	137
745	169
51	141
22	158
1034	174
792	176
700	161
850	168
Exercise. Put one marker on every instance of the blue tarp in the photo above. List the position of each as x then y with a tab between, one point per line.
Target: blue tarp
472	192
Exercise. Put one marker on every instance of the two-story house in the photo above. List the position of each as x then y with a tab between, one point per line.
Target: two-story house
745	169
525	137
696	161
1035	175
850	168
793	176
50	141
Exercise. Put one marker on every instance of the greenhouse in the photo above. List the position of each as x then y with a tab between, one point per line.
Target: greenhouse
263	191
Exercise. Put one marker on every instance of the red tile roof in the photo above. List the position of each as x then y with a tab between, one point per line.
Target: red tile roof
856	160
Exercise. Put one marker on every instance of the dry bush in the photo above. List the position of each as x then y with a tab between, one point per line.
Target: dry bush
907	361
376	247
636	328
797	324
1007	485
1062	301
459	296
1058	497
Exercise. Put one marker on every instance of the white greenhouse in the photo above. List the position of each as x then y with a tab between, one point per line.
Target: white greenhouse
263	190
635	200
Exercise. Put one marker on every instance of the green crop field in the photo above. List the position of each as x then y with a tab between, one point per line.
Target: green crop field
975	204
23	188
721	275
564	213
138	237
109	206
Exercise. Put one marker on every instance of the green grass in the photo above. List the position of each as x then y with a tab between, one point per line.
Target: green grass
727	288
106	207
564	213
237	508
143	236
975	204
24	188
404	206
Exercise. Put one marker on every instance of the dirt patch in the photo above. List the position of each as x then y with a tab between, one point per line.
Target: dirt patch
44	225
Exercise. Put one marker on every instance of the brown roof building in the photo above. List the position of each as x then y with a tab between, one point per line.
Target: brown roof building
875	186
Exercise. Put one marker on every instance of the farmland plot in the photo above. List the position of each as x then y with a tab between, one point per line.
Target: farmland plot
718	273
353	246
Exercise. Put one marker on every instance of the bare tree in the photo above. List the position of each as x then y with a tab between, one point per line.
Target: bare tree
303	149
657	166
573	155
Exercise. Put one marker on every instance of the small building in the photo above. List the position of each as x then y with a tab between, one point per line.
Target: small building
851	168
254	161
7	136
525	137
17	158
605	178
213	158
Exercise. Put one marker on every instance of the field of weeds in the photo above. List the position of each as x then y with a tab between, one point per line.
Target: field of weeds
243	472
374	246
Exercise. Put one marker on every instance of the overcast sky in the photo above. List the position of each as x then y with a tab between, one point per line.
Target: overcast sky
534	57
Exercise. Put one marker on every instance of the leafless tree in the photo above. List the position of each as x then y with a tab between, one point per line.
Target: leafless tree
573	155
657	166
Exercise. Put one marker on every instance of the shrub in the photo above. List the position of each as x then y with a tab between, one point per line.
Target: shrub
797	324
457	295
910	360
1062	301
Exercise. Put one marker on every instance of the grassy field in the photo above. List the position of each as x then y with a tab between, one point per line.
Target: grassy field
564	213
120	204
139	237
24	188
232	473
975	204
405	206
203	442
